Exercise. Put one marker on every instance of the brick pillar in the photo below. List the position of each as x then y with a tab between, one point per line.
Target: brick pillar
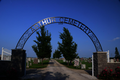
100	62
18	60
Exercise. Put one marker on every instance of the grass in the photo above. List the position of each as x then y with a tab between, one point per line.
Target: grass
74	67
87	64
64	63
39	65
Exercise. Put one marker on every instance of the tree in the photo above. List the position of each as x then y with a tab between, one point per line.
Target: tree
77	56
54	55
57	54
49	50
67	47
116	53
43	47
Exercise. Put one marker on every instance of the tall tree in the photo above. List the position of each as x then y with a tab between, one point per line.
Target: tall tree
116	53
57	54
54	55
43	46
49	50
77	56
68	46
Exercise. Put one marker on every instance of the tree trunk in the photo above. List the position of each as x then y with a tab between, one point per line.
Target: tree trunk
68	63
42	61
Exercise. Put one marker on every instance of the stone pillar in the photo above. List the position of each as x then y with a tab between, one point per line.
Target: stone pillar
18	60
100	62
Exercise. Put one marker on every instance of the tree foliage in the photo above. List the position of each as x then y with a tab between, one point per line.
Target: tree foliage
116	53
77	56
43	46
57	54
68	46
54	55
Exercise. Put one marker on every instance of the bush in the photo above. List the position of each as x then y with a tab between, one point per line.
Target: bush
108	74
117	72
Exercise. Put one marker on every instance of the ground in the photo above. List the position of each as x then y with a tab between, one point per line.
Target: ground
57	71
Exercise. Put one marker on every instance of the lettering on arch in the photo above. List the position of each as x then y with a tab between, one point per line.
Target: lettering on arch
65	20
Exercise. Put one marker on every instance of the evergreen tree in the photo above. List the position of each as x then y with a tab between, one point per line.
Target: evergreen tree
49	50
57	54
116	53
68	46
54	55
43	48
77	56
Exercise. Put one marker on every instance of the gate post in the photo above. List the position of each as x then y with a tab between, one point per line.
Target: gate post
100	62
18	61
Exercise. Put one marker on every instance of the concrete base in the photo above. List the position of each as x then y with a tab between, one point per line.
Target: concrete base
18	60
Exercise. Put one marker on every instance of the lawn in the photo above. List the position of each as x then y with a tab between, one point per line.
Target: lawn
39	65
74	67
87	64
65	63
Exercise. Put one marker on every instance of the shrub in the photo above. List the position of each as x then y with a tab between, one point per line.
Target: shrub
108	74
117	72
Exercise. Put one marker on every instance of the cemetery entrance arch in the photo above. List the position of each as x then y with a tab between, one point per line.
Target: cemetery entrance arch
62	20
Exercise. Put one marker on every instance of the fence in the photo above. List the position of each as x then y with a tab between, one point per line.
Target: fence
6	54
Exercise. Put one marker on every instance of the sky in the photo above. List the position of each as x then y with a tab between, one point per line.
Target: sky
101	16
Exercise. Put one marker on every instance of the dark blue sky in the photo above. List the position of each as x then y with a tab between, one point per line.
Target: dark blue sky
101	16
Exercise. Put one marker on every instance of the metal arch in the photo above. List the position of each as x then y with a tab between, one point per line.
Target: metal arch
62	20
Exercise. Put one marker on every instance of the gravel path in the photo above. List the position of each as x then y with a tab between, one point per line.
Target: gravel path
56	71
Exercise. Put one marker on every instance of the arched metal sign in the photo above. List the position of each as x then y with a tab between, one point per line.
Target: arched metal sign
51	20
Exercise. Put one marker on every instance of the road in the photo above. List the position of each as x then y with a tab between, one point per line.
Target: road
56	71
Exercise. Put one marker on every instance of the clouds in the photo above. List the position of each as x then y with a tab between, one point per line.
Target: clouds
115	39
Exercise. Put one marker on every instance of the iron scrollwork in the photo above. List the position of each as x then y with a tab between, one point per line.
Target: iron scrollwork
62	20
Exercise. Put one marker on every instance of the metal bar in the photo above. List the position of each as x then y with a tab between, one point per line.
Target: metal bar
6	52
92	66
2	54
51	20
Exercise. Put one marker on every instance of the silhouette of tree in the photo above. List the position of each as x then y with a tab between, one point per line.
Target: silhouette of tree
57	54
67	47
116	53
43	47
54	55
